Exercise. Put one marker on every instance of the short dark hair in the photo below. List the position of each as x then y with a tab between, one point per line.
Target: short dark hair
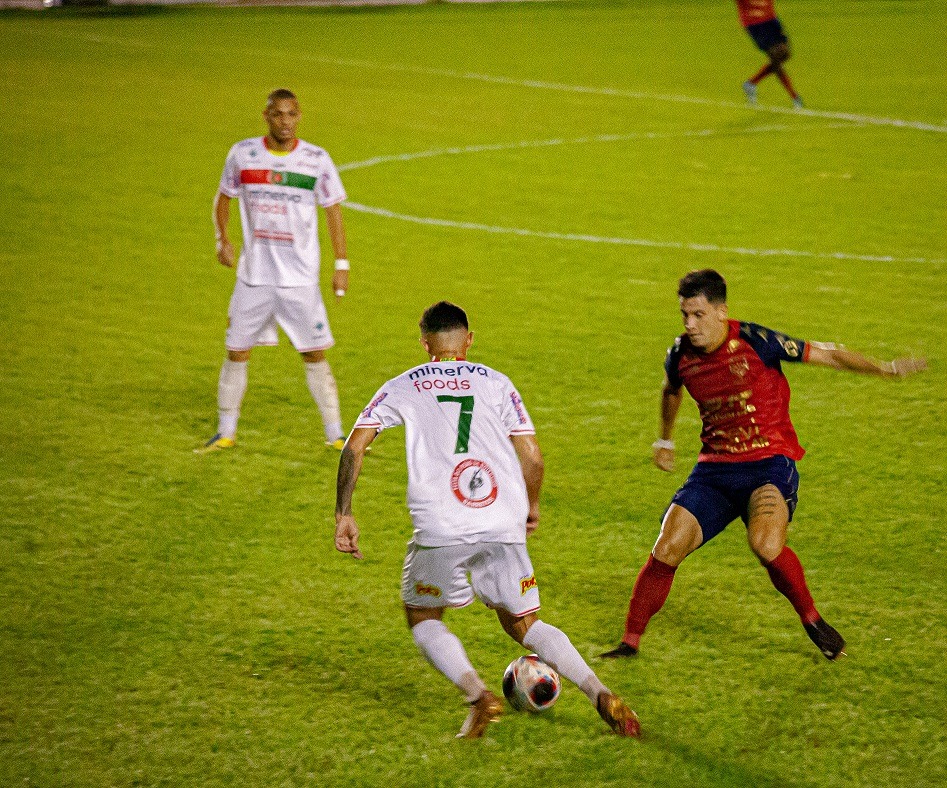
443	316
705	282
280	93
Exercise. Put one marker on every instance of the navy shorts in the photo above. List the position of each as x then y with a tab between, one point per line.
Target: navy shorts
767	34
716	493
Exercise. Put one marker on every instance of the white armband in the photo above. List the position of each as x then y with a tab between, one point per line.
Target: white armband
663	444
342	264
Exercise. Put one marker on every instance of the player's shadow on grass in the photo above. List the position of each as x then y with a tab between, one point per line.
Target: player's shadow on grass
723	768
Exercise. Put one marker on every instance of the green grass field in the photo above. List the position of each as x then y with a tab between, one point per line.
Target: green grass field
174	620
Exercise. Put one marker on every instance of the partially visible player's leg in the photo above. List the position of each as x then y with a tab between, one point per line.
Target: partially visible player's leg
680	535
778	54
230	390
553	646
249	323
302	315
439	574
443	650
768	521
325	391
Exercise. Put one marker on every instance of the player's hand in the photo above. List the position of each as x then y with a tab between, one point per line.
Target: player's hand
532	520
664	459
902	367
225	252
346	535
340	284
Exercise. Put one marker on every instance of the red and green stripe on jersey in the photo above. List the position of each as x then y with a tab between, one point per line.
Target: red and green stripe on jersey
278	178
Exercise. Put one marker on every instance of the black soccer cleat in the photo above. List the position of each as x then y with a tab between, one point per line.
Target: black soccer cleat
623	650
830	642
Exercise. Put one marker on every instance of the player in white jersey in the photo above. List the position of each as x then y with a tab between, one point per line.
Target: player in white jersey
279	180
474	475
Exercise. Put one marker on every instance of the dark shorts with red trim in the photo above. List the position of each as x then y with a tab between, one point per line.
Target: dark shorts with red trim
716	493
767	34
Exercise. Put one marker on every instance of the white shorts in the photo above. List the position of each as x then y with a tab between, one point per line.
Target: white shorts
500	575
255	312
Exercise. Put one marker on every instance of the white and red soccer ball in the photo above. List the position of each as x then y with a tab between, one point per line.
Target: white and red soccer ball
530	684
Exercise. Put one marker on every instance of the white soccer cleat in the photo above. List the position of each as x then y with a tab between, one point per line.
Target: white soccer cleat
750	90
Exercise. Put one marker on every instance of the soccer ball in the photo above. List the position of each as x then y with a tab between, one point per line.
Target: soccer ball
530	684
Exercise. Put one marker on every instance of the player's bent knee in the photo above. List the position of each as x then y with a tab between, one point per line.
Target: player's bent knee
416	615
767	546
516	626
680	536
238	355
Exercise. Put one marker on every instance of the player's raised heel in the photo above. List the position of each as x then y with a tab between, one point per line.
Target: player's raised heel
617	715
216	443
829	641
486	709
623	650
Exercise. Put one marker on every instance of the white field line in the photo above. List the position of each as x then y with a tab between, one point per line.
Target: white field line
634	94
554	86
604	239
850	118
639	135
585	238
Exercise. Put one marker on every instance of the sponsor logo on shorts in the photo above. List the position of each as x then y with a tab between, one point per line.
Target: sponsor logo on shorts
474	484
425	589
526	583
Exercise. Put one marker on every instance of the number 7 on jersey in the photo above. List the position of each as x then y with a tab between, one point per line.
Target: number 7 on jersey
463	421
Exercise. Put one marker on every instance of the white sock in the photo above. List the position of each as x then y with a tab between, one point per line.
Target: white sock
324	391
230	391
553	646
445	652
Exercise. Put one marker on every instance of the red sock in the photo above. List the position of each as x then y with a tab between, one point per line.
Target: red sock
650	592
787	575
767	69
784	78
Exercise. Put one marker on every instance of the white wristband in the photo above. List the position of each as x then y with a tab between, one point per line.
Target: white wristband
342	264
663	444
340	293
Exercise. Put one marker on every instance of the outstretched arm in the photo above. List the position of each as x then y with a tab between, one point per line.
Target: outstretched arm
664	447
828	355
531	460
350	465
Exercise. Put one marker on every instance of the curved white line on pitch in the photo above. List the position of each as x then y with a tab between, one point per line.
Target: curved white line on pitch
640	135
635	94
604	239
560	86
476	226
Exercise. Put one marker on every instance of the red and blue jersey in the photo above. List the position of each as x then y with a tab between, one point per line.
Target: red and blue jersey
753	12
741	391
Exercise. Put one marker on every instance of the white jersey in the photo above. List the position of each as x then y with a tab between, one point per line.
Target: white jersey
465	482
278	197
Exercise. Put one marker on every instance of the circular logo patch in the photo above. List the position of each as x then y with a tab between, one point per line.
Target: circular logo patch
474	484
